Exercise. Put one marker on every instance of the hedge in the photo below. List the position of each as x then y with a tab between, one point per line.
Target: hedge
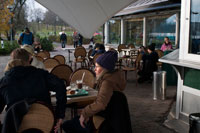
8	47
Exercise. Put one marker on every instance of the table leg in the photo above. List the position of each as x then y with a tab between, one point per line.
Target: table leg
69	55
70	62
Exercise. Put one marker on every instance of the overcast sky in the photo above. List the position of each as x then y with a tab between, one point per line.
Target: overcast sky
35	4
32	6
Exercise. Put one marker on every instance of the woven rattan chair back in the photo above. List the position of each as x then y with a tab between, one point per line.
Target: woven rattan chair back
160	53
80	52
89	78
120	47
39	117
131	46
51	63
39	58
47	53
95	58
138	60
60	58
63	72
80	47
43	55
112	49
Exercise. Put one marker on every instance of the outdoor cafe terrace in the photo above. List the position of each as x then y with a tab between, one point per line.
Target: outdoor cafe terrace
147	115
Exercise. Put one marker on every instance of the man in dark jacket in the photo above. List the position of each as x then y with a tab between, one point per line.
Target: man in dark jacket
80	41
63	39
27	82
150	60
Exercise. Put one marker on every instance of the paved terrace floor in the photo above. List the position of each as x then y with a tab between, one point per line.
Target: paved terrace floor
147	115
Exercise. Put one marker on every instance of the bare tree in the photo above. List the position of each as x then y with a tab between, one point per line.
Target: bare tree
50	19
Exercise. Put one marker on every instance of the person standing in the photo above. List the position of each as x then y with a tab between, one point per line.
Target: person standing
150	60
75	39
166	45
80	41
26	38
63	39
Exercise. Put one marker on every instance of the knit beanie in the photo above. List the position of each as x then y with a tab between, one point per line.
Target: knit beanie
108	60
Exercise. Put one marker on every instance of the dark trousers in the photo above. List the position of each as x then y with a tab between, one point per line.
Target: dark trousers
63	44
73	126
75	44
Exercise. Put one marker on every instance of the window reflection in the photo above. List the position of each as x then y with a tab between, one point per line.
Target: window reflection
114	31
135	32
160	27
194	44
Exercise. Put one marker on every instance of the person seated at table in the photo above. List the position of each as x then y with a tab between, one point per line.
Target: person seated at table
166	45
98	49
149	64
37	45
110	81
142	50
22	81
33	60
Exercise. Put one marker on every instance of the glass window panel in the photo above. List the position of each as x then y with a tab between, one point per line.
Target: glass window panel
134	34
160	27
194	44
114	31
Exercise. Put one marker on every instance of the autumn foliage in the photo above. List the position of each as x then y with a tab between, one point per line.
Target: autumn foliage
5	15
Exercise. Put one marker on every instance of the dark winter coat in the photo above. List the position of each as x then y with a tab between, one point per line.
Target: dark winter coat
63	37
109	82
31	83
149	63
117	116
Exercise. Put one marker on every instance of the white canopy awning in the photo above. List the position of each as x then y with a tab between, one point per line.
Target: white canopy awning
86	16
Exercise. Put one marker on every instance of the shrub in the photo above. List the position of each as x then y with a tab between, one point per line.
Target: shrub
98	39
70	40
46	44
54	38
86	41
8	47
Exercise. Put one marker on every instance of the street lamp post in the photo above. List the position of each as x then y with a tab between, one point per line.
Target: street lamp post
57	19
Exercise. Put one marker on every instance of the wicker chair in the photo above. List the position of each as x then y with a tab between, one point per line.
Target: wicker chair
43	55
80	56
89	78
60	58
135	68
50	63
120	47
39	117
92	64
47	53
63	72
131	46
39	58
160	54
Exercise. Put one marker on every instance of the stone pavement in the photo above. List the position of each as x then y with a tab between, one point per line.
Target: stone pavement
147	115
